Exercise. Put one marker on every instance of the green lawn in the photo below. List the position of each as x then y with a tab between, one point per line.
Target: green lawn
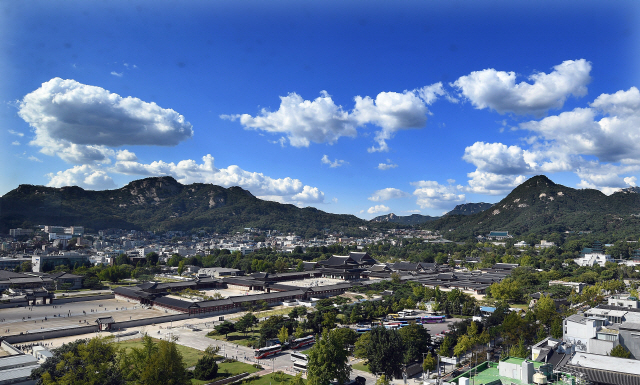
226	369
269	380
189	355
361	366
239	338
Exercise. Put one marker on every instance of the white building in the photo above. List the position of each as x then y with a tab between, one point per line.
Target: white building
589	334
590	259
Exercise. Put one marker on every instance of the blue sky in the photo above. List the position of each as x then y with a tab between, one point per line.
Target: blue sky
363	108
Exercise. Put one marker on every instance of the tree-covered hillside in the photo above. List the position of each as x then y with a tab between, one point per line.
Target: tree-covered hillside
162	204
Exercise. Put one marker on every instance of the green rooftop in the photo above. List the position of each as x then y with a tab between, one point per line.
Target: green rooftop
487	373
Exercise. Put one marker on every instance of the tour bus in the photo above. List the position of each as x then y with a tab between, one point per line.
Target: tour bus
300	342
268	351
433	319
406	313
299	357
300	366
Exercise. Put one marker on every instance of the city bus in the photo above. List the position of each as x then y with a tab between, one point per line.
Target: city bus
301	342
363	330
300	366
268	351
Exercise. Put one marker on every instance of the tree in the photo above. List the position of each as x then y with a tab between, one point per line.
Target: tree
225	328
246	322
620	351
519	350
382	380
384	352
165	366
297	380
206	368
416	340
181	267
26	267
545	309
328	360
299	332
94	362
283	335
463	345
329	320
346	335
429	363
445	347
361	345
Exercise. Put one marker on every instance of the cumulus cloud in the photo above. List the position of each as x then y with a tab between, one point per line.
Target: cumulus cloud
386	194
12	132
284	190
322	121
431	194
493	184
84	176
126	155
392	111
378	209
336	163
387	166
498	90
79	123
497	158
303	121
631	181
34	159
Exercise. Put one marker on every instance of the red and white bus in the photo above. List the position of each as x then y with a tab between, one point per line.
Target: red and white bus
268	351
301	342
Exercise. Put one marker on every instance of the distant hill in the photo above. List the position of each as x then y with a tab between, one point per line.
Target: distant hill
542	206
413	219
469	208
417	219
161	204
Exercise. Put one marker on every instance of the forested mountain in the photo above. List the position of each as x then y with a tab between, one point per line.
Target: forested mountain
414	219
162	204
469	208
542	206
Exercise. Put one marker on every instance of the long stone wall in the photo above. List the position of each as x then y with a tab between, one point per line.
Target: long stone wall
51	334
82	299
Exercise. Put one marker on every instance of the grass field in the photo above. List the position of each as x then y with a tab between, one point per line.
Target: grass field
361	366
189	355
227	369
239	338
270	379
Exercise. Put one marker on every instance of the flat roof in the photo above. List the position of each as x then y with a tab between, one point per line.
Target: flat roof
608	363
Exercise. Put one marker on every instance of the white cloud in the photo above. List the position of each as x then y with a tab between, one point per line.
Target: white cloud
284	190
336	163
498	89
431	93
496	158
613	138
33	158
493	184
387	166
392	111
631	181
84	176
126	155
15	143
12	132
378	209
118	74
303	121
434	195
322	121
78	122
386	194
